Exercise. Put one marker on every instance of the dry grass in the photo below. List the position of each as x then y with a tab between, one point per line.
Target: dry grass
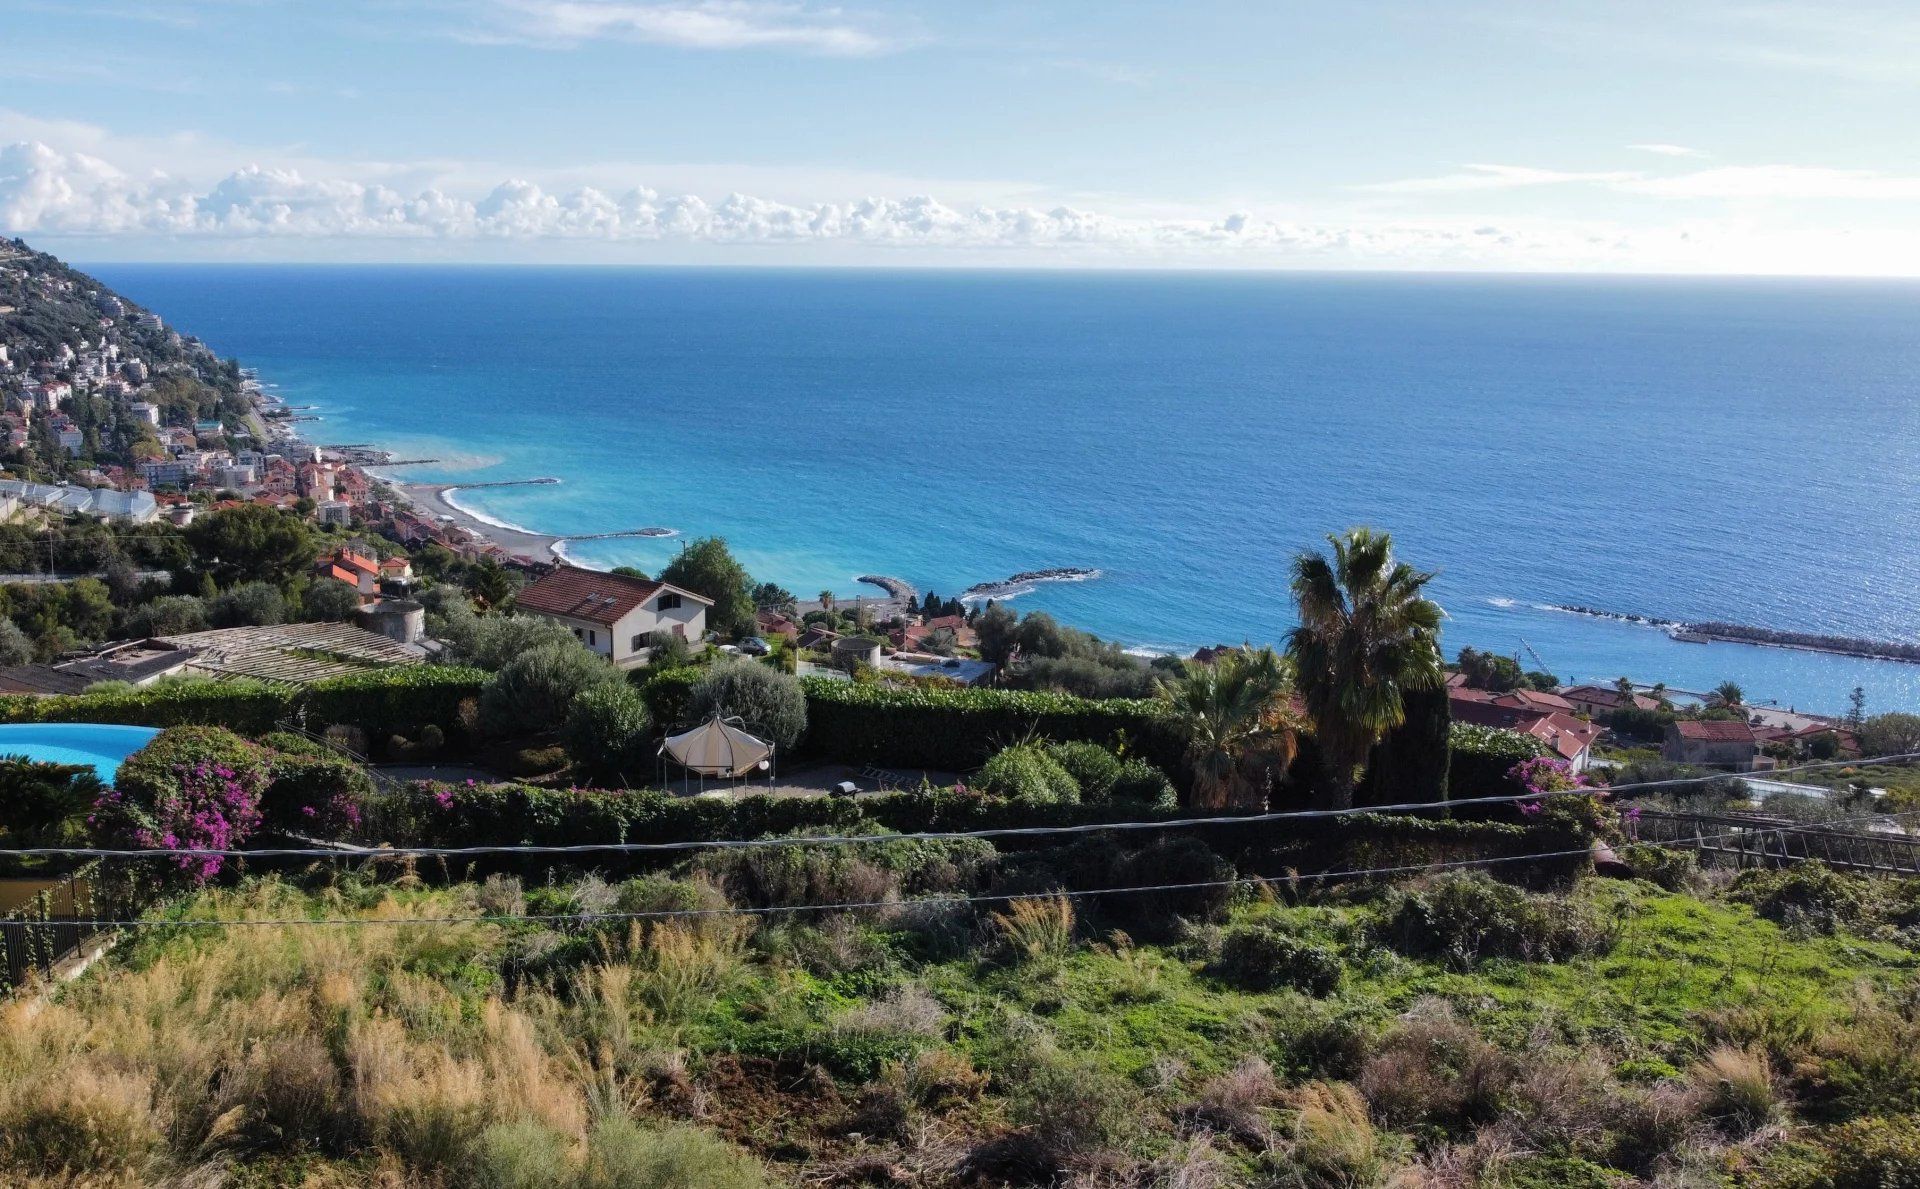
1737	1089
387	1042
1041	927
1334	1144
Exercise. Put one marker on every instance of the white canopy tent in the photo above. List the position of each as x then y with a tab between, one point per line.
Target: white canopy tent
718	748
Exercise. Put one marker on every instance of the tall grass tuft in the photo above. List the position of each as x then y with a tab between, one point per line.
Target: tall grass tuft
1037	928
1736	1089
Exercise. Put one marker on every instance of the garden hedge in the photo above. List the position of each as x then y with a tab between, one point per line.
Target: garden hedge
395	701
1481	757
398	701
956	730
426	814
249	707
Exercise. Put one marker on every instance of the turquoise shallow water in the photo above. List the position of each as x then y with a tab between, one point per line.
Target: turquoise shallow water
100	746
1737	450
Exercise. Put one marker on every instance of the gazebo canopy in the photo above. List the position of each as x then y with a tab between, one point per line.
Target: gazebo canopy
716	748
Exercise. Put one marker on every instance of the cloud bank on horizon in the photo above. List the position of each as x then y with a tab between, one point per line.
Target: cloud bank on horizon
45	191
50	193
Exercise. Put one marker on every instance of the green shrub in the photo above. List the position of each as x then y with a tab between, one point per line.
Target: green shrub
531	693
1028	773
956	730
798	874
1874	1154
289	743
1481	758
667	693
1095	769
1140	783
250	604
1466	916
154	770
1071	1106
770	703
535	761
1806	895
523	1155
44	804
315	795
1260	958
1662	866
607	735
623	1154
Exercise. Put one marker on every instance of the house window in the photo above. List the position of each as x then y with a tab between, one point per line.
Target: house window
591	636
579	634
669	602
639	644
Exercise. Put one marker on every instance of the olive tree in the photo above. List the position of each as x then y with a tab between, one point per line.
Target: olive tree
770	703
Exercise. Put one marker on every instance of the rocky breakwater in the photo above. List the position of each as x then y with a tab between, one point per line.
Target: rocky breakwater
1023	583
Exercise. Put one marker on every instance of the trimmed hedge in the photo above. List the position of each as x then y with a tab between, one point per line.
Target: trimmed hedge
1481	758
249	707
396	701
426	814
956	730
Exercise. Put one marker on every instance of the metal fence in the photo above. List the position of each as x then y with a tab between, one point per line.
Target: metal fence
1760	840
38	935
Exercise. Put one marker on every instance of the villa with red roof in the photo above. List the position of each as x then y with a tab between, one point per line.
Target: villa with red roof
613	614
1570	738
1712	743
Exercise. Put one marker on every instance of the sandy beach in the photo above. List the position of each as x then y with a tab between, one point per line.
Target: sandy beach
431	501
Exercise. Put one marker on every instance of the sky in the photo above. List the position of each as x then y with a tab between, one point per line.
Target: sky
1683	136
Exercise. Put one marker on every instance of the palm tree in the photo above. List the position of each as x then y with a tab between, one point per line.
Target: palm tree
1726	695
1625	688
826	600
1366	635
1237	717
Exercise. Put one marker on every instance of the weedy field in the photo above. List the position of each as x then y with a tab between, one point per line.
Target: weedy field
1448	1031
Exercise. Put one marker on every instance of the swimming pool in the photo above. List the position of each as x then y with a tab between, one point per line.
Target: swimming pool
101	746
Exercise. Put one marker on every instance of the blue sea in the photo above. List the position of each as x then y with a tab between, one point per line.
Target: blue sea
1742	450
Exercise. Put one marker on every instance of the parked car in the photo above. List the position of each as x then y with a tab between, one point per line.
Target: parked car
755	646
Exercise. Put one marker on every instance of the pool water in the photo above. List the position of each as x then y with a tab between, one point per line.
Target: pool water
100	746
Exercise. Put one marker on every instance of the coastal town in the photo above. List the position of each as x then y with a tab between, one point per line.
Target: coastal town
112	414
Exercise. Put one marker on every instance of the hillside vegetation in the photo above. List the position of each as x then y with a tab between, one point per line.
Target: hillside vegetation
1450	1031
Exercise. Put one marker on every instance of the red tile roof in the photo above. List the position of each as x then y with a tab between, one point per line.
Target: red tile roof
1607	698
1533	699
1567	735
1564	733
593	596
1715	730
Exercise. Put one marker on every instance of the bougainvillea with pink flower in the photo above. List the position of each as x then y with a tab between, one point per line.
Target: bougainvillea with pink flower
1550	780
208	806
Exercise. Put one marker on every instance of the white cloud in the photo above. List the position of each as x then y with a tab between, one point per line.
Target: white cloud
1667	150
1778	181
44	191
1494	177
303	208
687	24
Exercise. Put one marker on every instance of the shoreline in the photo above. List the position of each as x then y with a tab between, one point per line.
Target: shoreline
435	501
